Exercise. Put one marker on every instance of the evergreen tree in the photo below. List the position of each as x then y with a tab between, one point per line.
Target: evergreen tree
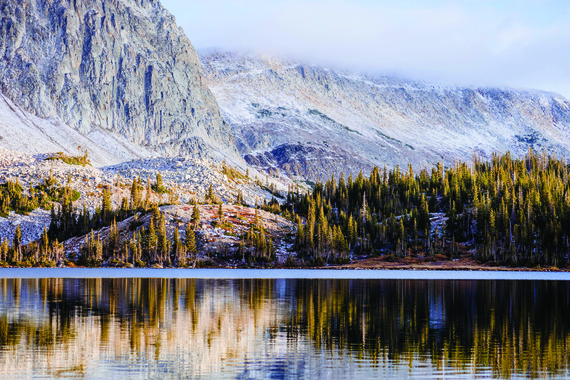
135	195
159	185
239	198
17	244
423	214
178	249
148	197
44	245
195	216
152	240
190	240
114	242
125	208
106	207
210	194
4	248
163	240
300	238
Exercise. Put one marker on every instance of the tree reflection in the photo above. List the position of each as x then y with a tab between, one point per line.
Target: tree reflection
509	327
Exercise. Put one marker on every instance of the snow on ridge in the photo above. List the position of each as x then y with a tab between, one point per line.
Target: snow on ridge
381	120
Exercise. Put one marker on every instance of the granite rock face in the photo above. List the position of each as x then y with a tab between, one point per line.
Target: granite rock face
310	121
122	66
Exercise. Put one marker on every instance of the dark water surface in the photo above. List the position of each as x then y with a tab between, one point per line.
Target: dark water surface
283	328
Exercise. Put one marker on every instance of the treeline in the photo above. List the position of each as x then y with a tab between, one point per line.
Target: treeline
45	251
508	211
256	245
67	221
512	211
144	247
37	253
143	242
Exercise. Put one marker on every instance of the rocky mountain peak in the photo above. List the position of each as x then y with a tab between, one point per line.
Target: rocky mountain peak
119	66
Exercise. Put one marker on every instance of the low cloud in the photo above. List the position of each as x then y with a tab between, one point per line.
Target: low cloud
468	43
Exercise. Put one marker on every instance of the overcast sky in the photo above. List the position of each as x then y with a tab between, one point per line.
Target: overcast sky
518	43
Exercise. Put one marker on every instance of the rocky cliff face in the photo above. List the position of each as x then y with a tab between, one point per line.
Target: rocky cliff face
120	66
311	121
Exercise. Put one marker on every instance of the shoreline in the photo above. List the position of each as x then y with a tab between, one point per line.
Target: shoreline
464	263
330	273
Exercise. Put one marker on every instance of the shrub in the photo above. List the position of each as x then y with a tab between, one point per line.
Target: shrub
71	160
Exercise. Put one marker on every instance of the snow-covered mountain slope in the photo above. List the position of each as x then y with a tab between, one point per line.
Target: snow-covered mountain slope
23	132
107	68
311	121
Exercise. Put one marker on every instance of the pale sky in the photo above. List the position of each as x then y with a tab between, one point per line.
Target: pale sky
517	43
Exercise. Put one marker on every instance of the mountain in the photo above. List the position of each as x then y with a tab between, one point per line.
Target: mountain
117	77
309	121
121	80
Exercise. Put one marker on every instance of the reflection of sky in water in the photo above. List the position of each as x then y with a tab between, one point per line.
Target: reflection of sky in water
280	329
436	314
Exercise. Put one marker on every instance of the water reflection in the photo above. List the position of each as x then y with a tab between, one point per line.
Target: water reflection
102	328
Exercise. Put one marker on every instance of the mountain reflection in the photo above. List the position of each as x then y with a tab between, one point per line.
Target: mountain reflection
281	328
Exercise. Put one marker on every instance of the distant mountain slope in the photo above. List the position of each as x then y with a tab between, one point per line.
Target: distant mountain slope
108	67
311	121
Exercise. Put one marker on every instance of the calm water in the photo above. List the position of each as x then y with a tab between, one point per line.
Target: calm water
283	328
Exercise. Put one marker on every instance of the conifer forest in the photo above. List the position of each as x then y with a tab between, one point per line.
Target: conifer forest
508	211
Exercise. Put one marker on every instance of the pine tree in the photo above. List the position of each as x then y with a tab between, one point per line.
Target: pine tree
51	180
155	212
159	185
363	208
17	244
98	249
195	216
4	250
300	237
124	208
114	243
178	249
190	240
134	249
210	194
322	232
402	237
423	214
415	236
44	245
148	200
239	198
92	250
163	240
135	195
152	241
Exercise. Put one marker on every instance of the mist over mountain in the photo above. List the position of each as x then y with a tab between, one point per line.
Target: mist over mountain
309	121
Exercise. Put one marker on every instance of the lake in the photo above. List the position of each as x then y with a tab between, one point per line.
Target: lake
160	324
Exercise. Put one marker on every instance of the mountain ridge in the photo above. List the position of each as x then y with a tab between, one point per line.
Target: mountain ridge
279	107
